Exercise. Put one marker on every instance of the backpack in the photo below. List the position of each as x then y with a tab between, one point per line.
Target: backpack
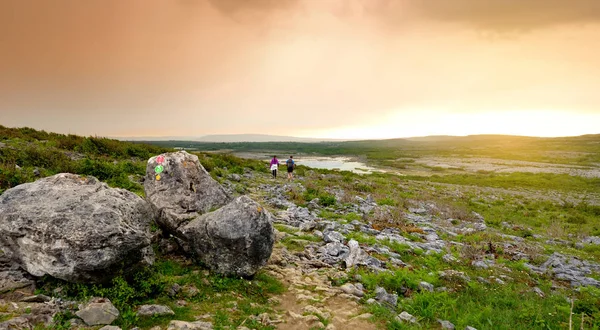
289	163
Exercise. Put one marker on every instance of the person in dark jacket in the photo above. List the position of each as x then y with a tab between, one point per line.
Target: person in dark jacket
290	167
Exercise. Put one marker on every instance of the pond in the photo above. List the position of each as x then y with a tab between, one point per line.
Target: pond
336	163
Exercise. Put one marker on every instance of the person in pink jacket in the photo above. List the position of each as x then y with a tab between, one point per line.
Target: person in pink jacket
274	163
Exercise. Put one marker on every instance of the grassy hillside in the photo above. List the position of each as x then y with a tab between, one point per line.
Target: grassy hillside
27	154
581	150
528	217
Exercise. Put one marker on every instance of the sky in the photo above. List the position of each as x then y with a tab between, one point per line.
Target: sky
350	69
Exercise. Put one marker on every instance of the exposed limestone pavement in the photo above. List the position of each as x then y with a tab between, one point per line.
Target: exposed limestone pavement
316	247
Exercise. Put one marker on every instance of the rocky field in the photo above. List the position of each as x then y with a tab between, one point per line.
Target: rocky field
348	251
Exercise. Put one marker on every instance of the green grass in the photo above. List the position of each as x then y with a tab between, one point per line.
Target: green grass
148	286
554	205
538	181
483	306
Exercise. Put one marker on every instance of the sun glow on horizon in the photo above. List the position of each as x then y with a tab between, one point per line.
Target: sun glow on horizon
540	123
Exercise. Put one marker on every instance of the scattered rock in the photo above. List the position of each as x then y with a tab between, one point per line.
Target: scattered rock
483	264
538	291
173	290
451	274
98	311
110	327
357	256
383	297
38	298
154	310
569	269
446	324
595	240
333	237
352	289
234	177
449	258
426	286
74	228
20	322
182	325
406	317
295	216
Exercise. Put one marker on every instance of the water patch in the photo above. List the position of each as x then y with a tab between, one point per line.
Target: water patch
336	163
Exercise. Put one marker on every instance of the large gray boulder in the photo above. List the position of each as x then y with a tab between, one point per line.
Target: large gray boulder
236	239
179	189
72	227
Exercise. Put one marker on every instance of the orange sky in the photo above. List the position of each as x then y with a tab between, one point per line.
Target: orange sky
326	68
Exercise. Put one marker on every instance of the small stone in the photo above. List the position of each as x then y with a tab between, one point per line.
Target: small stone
333	237
38	298
446	324
110	327
154	310
234	177
383	297
426	286
351	289
538	291
182	325
98	311
479	264
468	327
406	317
173	290
449	258
190	290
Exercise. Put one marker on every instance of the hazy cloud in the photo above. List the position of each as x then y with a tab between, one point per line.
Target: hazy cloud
187	67
499	15
510	14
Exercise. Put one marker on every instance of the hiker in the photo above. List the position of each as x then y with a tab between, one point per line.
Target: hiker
274	163
290	167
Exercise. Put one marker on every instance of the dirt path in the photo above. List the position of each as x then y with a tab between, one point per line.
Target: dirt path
310	301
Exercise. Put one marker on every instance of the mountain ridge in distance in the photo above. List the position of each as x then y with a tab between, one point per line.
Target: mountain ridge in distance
229	138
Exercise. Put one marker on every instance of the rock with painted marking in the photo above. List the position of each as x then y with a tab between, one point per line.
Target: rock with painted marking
182	190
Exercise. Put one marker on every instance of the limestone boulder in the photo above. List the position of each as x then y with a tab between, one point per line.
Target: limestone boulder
73	227
179	189
236	239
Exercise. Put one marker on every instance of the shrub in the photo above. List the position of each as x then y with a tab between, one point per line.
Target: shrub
326	199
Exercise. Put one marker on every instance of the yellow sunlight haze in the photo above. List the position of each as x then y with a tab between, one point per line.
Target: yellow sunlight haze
542	123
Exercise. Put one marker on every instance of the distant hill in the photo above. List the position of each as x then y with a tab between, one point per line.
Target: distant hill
228	138
477	137
256	138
